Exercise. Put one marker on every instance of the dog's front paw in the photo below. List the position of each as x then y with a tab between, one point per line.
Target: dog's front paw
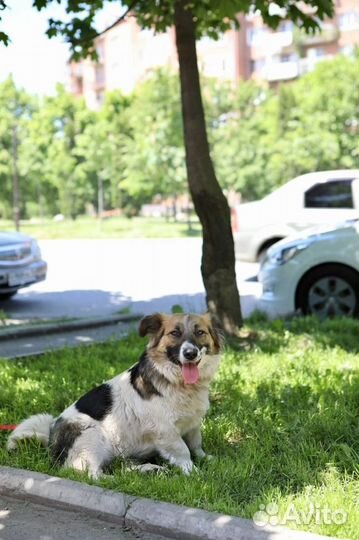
186	467
199	453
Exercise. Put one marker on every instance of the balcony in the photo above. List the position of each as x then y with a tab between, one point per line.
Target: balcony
280	71
280	40
271	42
328	34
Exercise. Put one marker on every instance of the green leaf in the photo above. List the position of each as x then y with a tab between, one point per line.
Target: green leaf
4	38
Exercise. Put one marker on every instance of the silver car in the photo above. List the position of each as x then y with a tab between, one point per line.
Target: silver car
20	263
316	272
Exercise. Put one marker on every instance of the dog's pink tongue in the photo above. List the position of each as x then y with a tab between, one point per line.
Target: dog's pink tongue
190	373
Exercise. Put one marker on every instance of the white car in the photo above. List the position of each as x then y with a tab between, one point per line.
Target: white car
309	200
316	273
21	264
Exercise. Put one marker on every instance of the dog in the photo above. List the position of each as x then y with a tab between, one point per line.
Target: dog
155	408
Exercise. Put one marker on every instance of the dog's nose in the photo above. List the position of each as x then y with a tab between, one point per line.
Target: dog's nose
190	353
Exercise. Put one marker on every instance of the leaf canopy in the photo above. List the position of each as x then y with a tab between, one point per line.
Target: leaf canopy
212	17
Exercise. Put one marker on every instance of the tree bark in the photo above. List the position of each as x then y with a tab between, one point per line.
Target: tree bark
218	259
100	197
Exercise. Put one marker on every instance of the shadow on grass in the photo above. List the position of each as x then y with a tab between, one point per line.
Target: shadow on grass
286	432
272	336
193	232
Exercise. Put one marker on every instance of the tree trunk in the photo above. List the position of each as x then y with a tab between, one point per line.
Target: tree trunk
174	207
100	197
218	259
15	181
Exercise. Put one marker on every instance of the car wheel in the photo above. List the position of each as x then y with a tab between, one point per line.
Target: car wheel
329	291
6	296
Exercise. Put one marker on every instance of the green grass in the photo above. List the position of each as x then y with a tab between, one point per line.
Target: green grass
283	424
117	227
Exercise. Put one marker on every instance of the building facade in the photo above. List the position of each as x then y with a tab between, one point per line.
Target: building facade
126	54
288	53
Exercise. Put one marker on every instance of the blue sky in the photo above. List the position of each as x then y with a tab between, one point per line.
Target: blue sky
36	62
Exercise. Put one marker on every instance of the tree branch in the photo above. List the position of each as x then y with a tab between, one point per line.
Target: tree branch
120	19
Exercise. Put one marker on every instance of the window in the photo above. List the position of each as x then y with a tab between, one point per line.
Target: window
256	36
315	52
288	57
257	65
333	194
100	75
285	26
349	20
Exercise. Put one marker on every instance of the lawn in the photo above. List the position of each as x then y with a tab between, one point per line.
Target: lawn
283	424
116	227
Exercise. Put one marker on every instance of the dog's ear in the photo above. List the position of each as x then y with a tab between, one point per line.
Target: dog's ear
150	325
214	328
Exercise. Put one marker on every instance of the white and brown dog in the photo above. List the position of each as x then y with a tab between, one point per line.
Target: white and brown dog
154	408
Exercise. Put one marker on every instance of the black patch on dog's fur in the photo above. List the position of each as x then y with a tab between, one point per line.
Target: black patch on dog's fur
143	375
62	437
173	354
97	403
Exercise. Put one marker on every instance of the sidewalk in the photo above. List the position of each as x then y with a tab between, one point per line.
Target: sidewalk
21	341
26	520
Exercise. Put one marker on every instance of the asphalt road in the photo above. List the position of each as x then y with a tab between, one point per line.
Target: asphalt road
24	520
100	277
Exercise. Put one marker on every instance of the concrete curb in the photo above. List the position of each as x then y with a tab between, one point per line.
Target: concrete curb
151	516
55	328
55	491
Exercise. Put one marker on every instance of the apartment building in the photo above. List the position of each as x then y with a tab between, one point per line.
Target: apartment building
126	54
288	52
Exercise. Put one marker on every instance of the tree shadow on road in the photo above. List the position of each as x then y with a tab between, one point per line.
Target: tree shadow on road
95	303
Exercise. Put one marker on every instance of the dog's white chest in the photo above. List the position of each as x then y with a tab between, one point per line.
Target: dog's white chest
188	411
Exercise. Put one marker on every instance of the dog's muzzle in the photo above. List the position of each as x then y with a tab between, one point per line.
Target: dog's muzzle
190	353
190	356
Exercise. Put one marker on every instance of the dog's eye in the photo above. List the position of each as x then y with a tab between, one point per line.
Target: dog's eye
175	333
200	332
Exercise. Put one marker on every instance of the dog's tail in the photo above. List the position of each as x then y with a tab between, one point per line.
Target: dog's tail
37	426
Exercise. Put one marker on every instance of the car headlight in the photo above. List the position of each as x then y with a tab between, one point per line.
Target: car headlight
35	250
286	253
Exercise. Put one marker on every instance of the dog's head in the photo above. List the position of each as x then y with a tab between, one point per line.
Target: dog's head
182	346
